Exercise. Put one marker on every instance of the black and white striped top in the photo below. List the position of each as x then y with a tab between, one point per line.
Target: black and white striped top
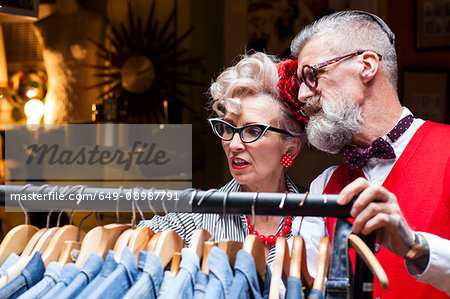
231	227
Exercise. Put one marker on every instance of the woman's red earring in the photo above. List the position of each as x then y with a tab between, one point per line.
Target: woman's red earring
286	160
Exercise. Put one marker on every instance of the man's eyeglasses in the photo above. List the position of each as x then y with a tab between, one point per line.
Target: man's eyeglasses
309	73
249	133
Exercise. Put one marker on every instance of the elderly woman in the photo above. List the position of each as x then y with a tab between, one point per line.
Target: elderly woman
261	137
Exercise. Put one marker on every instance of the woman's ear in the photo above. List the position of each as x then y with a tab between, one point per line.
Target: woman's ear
295	144
370	64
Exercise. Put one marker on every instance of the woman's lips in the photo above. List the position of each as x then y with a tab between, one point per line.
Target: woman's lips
238	163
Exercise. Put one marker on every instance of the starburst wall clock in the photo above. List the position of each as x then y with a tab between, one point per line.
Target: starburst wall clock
143	68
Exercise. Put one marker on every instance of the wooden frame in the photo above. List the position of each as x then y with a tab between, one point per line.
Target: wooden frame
425	94
432	24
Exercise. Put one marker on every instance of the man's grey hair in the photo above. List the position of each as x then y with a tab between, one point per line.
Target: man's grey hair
351	31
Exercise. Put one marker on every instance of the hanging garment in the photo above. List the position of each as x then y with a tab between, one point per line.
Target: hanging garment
294	288
149	283
50	278
69	272
166	284
11	260
183	284
120	280
220	274
201	281
245	282
108	267
90	270
30	275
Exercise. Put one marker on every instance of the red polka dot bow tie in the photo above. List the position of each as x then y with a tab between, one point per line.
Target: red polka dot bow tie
357	157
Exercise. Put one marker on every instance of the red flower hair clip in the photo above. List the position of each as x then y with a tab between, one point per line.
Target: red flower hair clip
289	87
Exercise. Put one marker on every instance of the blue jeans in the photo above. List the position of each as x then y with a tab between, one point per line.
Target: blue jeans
120	280
69	272
30	275
108	267
90	270
245	282
148	285
220	276
183	285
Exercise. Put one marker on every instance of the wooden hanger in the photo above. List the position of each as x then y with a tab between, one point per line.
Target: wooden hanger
207	246
139	239
198	239
29	249
369	258
295	267
53	251
323	262
90	244
16	240
33	241
281	264
168	244
254	246
175	266
121	243
43	242
298	266
111	233
231	248
68	252
153	241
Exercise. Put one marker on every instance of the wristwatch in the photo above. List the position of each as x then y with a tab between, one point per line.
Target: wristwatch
419	248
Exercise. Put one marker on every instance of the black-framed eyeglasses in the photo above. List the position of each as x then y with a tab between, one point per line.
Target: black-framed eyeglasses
309	72
248	133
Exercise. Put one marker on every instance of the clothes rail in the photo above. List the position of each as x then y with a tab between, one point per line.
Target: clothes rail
46	197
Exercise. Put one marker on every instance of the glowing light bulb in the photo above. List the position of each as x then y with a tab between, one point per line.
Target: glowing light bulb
34	109
31	93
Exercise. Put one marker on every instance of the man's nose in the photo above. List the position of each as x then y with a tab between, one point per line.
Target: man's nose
304	92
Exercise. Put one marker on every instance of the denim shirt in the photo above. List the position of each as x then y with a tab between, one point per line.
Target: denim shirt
11	260
69	272
148	285
245	282
294	288
220	276
166	284
50	278
120	280
201	282
183	285
29	276
141	263
108	267
91	268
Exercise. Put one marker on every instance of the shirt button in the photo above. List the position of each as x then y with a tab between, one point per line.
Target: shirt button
377	247
377	298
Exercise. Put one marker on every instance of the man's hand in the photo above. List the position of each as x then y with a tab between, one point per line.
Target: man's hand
377	209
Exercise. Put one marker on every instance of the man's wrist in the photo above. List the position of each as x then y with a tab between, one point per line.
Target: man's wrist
418	254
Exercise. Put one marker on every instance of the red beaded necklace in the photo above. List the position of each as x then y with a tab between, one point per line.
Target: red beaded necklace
271	239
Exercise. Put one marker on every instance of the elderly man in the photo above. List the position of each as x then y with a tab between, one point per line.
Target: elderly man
399	165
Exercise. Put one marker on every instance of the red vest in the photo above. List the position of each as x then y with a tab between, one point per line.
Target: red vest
421	181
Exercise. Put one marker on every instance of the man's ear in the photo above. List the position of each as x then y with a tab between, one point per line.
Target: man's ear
370	65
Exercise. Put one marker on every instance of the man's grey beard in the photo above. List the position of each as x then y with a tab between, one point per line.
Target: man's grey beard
335	125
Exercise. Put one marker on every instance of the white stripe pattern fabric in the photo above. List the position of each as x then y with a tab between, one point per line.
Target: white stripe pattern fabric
231	227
